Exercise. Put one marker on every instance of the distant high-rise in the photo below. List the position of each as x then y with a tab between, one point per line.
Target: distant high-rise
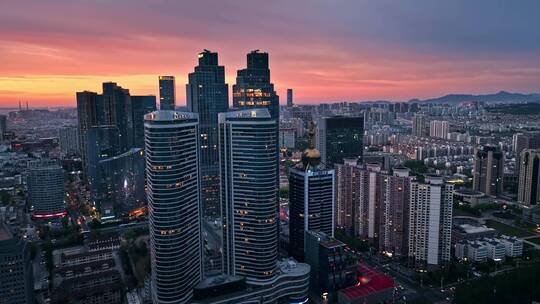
394	213
339	138
248	169
3	126
172	171
69	140
119	112
311	201
45	182
529	177
140	106
207	95
438	128
253	88
488	170
430	222
89	109
167	93
289	98
16	275
419	124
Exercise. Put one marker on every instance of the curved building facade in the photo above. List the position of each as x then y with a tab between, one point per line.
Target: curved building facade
248	165
45	182
172	171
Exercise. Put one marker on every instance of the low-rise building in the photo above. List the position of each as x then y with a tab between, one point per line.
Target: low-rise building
372	287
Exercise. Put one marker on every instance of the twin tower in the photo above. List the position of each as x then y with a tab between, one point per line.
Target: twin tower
225	162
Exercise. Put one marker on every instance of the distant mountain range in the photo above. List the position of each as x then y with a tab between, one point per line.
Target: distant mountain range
501	96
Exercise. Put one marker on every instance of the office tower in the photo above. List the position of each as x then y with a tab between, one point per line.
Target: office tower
287	138
289	98
248	161
370	182
488	170
102	143
438	128
430	222
529	177
172	171
207	95
119	112
3	126
69	140
89	109
340	137
332	266
16	275
419	123
394	213
121	180
45	181
311	201
253	88
167	93
347	194
140	106
522	141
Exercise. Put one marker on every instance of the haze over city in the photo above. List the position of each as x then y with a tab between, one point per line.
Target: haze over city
328	51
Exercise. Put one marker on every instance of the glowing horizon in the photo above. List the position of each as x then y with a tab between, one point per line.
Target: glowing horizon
326	52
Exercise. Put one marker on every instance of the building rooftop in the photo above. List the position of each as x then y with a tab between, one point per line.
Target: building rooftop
467	228
369	281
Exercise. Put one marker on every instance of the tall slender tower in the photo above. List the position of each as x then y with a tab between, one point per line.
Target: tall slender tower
172	170
248	167
529	177
289	98
207	95
167	93
488	170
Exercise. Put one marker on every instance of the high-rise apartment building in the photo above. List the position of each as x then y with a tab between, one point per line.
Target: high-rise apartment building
488	170
172	171
69	139
207	95
394	213
16	275
439	129
311	201
167	93
529	177
430	222
45	181
248	169
419	123
340	137
289	98
370	182
3	126
347	194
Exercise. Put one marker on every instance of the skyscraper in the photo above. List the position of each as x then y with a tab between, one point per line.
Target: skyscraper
119	112
529	177
488	170
140	106
339	138
438	128
69	139
394	213
89	107
289	98
253	88
16	279
167	93
370	182
172	171
419	123
102	143
248	169
3	126
45	182
430	222
207	95
311	201
347	194
522	141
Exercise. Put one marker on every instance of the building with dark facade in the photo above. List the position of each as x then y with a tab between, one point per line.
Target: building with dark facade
488	170
102	143
16	274
207	95
141	105
172	171
339	138
167	93
529	177
311	201
45	180
289	98
372	287
248	169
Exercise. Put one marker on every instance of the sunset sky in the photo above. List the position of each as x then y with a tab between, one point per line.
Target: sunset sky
327	51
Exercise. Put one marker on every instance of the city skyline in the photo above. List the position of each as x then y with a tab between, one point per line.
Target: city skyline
326	52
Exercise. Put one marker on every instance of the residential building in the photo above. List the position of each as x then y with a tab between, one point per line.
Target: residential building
16	279
488	170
